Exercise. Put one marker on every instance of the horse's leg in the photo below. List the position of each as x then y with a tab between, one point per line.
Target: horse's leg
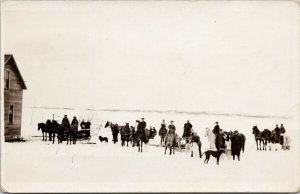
170	150
199	147
174	150
192	153
166	149
43	135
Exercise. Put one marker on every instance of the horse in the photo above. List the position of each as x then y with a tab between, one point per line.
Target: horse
126	134
115	129
142	136
72	134
211	138
45	128
261	137
196	139
60	130
170	142
162	133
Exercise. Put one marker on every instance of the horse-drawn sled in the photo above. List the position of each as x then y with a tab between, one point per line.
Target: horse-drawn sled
65	132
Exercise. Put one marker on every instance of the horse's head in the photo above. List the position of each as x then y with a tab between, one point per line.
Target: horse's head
207	131
132	128
39	126
255	130
107	124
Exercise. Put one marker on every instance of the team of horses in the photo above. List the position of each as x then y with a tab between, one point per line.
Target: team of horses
63	132
266	136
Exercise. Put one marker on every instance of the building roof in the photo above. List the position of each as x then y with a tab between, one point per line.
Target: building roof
7	58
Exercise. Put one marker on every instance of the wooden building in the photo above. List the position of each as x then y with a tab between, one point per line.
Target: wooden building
13	96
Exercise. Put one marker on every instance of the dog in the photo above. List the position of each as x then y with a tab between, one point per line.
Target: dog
103	139
213	153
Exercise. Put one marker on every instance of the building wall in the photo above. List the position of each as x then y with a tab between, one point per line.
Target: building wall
13	96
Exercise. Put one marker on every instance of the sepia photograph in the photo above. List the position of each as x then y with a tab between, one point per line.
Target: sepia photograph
150	96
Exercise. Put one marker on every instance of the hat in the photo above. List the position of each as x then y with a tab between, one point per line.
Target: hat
172	121
74	117
217	122
65	115
143	118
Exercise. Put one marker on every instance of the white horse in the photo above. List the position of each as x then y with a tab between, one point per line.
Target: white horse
211	138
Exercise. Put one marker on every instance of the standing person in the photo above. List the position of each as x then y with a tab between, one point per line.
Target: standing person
187	132
216	128
172	128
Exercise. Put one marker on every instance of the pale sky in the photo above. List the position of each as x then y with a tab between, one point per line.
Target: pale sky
222	56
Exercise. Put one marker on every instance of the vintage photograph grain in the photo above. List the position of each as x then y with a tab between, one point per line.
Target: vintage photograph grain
150	96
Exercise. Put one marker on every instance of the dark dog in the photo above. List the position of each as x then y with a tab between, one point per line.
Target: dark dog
213	153
103	139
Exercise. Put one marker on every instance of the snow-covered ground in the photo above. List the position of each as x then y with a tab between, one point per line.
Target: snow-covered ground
36	166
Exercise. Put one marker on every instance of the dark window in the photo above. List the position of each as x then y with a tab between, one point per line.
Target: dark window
7	77
11	114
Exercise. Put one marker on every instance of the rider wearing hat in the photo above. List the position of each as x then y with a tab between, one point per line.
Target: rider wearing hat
172	128
143	124
216	128
187	129
74	121
65	120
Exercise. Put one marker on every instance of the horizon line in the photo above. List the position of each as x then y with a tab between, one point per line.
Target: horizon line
168	111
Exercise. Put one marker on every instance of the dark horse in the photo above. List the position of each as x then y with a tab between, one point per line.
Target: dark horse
126	134
72	134
219	141
196	139
261	137
171	141
142	136
162	133
115	129
46	128
61	131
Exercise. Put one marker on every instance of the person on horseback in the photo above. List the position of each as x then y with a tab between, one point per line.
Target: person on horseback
187	129
163	128
216	128
163	124
143	124
172	128
74	121
282	129
65	121
277	134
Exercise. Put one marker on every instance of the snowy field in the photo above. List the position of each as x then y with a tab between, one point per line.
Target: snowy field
36	166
